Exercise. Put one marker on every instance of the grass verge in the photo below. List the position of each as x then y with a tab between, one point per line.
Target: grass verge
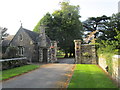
90	76
6	74
60	56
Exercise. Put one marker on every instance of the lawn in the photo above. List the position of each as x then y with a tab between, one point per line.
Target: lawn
60	56
90	76
6	74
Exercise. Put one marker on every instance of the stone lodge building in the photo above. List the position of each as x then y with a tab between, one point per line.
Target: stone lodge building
35	46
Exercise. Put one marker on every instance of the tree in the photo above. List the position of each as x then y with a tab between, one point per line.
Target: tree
112	28
46	20
64	26
109	41
96	23
3	33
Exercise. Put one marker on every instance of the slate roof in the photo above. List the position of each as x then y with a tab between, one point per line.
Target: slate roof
33	35
48	40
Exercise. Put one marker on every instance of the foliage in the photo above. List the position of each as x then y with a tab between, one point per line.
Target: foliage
96	23
3	33
13	63
6	74
11	52
108	43
60	52
88	76
109	27
60	56
46	20
112	28
64	26
108	47
86	54
36	28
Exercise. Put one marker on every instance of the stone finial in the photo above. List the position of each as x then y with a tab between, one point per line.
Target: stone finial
77	40
77	44
21	23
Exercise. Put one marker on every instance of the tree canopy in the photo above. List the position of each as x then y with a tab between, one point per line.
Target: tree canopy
3	33
108	37
63	25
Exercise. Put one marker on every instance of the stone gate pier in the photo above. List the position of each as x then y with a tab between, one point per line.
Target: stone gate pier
53	51
85	53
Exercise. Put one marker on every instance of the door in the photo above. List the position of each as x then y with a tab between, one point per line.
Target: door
45	56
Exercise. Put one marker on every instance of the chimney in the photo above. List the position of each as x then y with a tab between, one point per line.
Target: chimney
42	36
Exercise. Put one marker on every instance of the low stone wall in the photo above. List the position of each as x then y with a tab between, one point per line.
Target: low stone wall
11	63
115	66
102	62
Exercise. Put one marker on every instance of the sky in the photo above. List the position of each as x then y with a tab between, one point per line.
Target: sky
29	12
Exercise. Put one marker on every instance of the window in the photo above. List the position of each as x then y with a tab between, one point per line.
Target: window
21	50
20	37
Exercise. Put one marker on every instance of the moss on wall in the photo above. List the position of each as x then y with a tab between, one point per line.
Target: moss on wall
108	58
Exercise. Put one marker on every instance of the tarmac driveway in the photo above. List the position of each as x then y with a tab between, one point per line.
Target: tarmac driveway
48	76
67	61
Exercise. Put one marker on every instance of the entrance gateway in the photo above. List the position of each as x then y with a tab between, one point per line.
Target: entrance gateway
45	56
85	53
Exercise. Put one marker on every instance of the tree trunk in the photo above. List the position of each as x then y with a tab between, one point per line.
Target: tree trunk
71	55
66	55
74	54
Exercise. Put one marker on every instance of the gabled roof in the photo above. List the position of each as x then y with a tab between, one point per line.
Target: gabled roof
48	40
33	35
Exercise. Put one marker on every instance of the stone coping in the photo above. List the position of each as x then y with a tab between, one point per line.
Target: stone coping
2	60
116	56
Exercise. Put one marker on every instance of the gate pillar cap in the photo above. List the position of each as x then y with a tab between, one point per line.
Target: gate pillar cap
77	40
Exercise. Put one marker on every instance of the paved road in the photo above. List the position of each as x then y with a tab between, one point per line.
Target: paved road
48	76
67	60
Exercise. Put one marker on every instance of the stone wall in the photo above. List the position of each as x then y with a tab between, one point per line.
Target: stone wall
102	62
30	49
11	63
115	66
88	54
85	53
51	53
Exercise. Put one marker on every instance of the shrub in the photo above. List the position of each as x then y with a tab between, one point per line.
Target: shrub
108	49
11	52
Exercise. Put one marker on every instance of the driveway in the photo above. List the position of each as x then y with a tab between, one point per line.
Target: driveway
48	76
67	61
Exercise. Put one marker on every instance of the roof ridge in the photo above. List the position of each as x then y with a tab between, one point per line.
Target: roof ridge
30	30
31	34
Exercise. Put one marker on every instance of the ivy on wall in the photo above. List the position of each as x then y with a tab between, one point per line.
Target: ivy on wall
108	49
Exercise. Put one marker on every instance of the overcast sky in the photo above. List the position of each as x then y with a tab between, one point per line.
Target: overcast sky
31	11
